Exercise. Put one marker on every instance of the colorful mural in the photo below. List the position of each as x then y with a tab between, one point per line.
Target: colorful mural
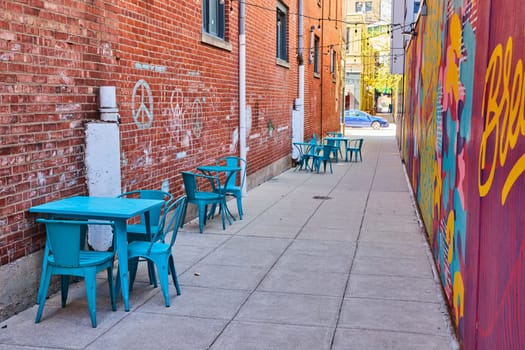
464	147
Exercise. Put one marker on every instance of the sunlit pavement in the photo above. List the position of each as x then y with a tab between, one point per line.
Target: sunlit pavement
328	261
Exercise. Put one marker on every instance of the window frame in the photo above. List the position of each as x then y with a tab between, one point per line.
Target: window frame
359	6
218	7
369	7
281	32
316	58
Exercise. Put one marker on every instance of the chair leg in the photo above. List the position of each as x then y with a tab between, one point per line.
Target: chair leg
112	295
223	212
43	274
91	294
184	214
163	277
211	214
174	274
43	295
239	206
151	274
133	265
202	217
64	288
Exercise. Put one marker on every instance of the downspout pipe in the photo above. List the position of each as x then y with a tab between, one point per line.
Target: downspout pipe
300	61
242	88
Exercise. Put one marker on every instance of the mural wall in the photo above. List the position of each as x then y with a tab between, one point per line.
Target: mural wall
464	147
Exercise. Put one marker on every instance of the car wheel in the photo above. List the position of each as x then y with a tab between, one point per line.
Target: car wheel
376	125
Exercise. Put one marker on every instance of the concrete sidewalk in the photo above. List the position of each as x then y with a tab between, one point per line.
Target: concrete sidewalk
320	261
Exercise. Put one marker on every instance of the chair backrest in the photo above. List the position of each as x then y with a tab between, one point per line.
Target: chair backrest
311	149
235	162
173	215
155	213
63	238
356	143
190	184
335	143
324	151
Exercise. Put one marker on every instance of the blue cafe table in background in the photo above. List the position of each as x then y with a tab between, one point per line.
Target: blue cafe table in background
229	171
117	210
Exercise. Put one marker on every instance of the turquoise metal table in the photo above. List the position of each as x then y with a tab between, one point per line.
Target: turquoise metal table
306	152
217	169
118	210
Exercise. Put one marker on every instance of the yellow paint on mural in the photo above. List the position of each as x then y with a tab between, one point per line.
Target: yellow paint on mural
504	101
450	235
458	297
453	54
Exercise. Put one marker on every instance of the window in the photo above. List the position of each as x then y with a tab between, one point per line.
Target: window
358	6
316	55
332	60
368	6
213	17
281	49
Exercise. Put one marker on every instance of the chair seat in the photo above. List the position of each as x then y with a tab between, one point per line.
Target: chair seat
207	196
139	247
88	258
230	189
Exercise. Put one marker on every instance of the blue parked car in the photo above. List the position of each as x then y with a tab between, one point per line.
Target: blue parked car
360	119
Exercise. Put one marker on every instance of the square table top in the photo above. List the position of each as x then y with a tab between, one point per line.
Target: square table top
106	207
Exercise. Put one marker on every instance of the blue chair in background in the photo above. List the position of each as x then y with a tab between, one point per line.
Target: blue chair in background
322	155
310	153
138	232
158	251
202	199
65	258
336	148
233	186
354	148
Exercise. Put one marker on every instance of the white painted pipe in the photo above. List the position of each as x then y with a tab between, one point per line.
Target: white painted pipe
242	89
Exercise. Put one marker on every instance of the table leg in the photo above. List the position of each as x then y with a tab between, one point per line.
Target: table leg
122	251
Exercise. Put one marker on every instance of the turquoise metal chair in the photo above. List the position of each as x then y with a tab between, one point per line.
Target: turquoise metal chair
65	258
310	153
203	198
336	148
354	148
322	155
233	187
159	251
138	232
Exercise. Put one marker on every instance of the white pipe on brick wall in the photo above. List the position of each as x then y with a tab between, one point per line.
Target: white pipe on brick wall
242	88
300	56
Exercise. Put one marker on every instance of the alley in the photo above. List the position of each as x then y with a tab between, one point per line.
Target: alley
320	261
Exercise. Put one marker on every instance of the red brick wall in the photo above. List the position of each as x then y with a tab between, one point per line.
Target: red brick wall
322	92
54	58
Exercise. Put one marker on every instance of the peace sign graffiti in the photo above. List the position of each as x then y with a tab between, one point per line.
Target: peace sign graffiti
143	115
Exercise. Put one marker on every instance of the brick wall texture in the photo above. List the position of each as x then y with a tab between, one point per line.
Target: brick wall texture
178	96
